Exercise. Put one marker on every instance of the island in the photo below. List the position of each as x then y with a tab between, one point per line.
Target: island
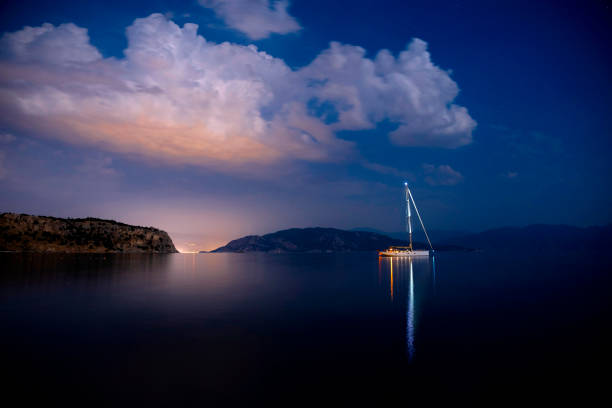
537	237
318	239
33	233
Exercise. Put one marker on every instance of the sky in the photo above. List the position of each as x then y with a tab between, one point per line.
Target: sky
215	119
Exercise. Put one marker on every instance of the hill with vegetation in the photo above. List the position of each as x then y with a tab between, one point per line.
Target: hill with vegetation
533	238
32	233
317	240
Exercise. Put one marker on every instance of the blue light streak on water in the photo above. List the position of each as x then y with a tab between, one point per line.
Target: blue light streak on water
410	317
433	273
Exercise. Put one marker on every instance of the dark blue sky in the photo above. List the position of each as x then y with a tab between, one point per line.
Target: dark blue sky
534	77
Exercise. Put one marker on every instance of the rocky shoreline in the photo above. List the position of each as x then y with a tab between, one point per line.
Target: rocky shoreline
32	233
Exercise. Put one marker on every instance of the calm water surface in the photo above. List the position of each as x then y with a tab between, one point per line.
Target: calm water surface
171	329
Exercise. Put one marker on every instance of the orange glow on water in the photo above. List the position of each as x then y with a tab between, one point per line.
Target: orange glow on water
392	279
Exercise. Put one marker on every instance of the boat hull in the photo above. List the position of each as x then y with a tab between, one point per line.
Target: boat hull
403	253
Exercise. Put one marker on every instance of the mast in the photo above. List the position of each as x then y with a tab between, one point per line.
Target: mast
408	223
419	215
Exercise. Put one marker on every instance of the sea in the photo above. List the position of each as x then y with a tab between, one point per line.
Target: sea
254	329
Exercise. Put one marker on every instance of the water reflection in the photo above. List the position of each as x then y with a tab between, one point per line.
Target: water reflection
410	316
402	282
238	324
433	274
48	271
392	279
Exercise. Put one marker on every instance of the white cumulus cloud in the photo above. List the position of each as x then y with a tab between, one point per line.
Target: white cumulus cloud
48	44
178	98
409	90
255	18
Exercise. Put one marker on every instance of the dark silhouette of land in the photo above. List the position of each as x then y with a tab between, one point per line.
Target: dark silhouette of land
318	240
32	233
530	238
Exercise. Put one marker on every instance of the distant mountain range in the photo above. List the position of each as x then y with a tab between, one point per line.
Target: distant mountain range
530	238
317	240
418	235
539	237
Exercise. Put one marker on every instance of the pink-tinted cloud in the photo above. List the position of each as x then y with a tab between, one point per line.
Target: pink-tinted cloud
177	98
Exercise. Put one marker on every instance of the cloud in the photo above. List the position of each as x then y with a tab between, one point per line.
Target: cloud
256	18
177	98
174	97
408	90
6	138
64	44
382	169
97	168
3	170
442	175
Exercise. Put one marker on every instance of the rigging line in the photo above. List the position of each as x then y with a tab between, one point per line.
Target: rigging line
419	215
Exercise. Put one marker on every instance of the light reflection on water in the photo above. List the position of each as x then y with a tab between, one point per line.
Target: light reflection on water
401	271
410	316
223	323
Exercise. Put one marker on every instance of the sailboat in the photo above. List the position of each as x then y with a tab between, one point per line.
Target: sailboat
409	250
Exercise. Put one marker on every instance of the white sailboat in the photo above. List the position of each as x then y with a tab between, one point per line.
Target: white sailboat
409	250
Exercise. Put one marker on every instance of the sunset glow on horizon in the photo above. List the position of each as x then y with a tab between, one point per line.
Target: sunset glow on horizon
263	112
